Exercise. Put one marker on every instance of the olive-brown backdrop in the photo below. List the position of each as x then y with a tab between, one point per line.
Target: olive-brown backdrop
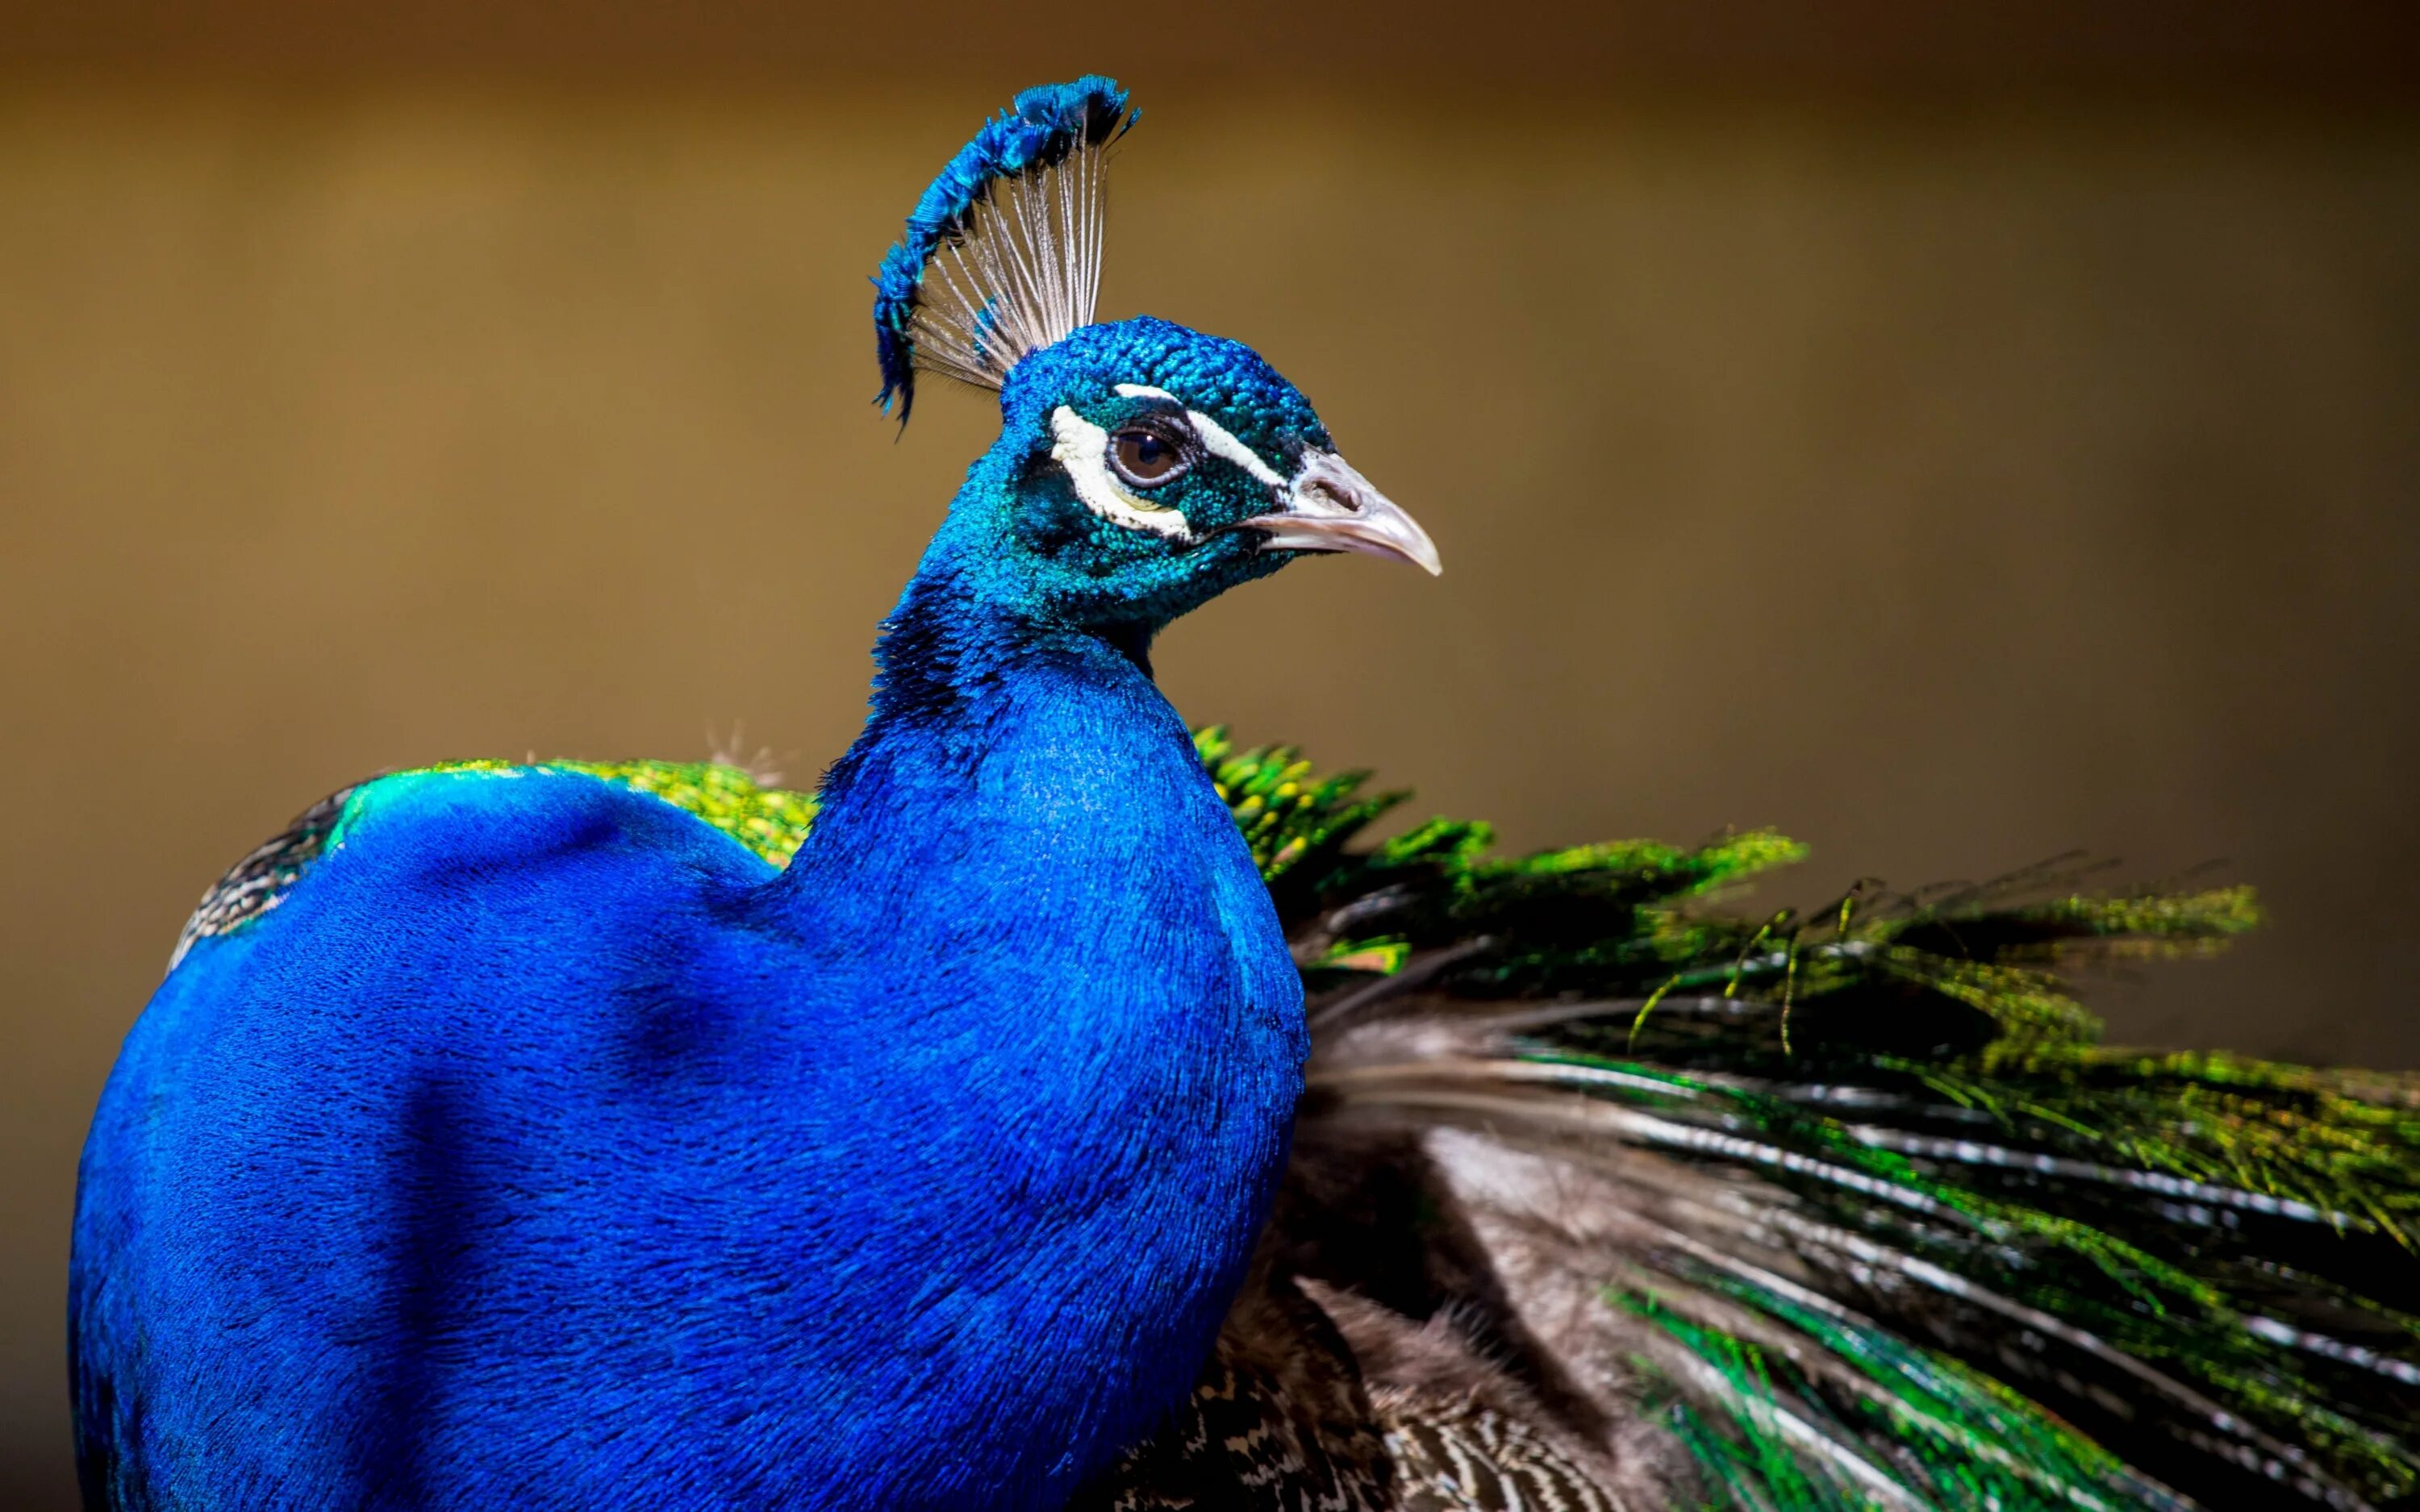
1951	439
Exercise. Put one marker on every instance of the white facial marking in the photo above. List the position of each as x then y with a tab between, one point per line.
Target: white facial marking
1219	441
1083	449
1144	391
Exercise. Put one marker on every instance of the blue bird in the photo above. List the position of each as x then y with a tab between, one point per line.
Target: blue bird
1063	1108
545	1146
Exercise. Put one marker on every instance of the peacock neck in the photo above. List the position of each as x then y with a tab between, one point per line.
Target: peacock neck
1022	790
1064	985
1012	769
956	655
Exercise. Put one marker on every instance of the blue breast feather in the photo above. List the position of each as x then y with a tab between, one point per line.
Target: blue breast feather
545	1148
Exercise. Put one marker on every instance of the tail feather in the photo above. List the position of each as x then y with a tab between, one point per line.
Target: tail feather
1853	1207
1608	1192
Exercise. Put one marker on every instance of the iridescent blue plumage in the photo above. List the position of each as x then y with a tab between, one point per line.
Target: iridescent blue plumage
538	1145
545	1148
592	1137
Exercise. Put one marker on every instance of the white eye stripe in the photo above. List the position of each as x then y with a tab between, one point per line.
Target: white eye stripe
1083	449
1217	440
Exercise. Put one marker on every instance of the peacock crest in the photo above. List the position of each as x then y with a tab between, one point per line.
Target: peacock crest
1001	256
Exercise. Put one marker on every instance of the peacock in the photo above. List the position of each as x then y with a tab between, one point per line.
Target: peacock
1061	1106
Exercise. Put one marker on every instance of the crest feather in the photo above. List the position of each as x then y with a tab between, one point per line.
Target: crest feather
1003	252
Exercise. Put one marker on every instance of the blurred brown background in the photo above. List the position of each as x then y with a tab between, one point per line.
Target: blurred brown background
1952	437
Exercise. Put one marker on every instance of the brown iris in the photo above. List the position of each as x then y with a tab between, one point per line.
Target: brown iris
1146	458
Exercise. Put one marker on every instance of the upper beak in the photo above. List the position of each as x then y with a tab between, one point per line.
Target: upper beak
1331	507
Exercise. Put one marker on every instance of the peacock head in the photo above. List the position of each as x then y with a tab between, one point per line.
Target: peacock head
1142	468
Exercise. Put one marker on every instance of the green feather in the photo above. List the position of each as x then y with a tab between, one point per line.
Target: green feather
2195	1237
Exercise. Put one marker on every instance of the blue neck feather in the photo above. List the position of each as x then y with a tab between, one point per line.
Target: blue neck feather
1098	1011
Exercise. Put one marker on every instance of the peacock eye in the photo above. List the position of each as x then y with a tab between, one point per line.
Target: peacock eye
1146	458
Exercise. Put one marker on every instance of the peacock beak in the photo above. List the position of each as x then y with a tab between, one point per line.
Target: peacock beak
1331	507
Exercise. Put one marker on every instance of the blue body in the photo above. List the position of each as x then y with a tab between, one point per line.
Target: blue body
545	1148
